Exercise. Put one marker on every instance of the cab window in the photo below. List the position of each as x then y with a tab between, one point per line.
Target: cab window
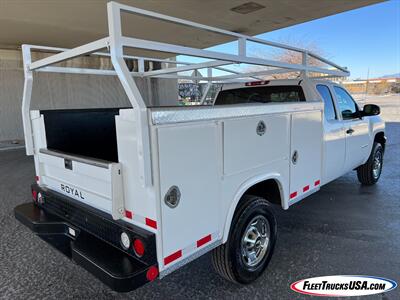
347	106
329	108
264	94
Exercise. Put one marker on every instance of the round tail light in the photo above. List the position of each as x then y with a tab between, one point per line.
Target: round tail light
152	273
125	240
138	246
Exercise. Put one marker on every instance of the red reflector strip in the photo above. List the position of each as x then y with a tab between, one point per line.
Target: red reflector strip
306	188
292	195
128	214
34	195
172	257
203	240
151	223
317	182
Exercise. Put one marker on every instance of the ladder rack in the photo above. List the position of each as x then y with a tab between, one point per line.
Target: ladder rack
115	43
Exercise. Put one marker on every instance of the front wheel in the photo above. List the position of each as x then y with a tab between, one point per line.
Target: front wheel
370	172
250	244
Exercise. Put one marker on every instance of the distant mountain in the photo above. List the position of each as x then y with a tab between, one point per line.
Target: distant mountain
396	75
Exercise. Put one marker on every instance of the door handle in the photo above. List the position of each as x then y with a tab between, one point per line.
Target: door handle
295	157
350	131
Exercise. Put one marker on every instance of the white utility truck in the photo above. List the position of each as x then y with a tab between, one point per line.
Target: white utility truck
132	194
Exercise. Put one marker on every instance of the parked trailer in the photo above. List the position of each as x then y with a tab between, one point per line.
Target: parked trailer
132	194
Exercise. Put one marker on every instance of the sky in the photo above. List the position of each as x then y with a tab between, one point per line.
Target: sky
359	39
362	39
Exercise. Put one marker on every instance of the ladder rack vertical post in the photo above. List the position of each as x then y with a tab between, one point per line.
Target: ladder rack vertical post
26	100
304	61
141	65
242	47
132	91
208	86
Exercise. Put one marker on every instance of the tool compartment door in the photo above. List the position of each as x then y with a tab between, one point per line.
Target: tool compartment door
306	154
188	159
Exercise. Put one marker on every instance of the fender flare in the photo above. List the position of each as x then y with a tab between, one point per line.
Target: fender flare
375	128
243	188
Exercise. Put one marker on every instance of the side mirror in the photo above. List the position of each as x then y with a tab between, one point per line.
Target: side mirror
371	110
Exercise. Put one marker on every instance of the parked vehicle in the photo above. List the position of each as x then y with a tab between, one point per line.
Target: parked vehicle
132	194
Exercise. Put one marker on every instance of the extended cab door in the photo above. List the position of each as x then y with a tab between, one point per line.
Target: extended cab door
356	129
334	142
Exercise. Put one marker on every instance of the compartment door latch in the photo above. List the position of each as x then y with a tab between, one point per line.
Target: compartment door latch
68	163
117	192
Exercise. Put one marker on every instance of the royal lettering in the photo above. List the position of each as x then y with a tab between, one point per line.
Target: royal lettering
74	192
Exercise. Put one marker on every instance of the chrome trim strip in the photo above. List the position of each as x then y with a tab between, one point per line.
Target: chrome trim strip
169	115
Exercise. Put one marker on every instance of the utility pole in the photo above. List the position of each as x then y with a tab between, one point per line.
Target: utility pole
366	85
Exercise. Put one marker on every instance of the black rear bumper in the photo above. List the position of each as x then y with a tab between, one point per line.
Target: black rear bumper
91	239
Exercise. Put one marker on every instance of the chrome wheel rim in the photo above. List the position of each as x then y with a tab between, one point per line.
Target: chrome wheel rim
255	241
377	164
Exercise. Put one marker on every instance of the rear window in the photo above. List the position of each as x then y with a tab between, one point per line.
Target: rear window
261	94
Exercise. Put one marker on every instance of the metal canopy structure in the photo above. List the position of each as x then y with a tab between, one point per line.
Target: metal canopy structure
116	43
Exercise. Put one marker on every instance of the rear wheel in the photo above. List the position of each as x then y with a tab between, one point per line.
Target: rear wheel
250	244
370	172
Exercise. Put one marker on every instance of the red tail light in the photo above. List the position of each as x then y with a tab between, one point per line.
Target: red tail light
152	273
138	247
34	195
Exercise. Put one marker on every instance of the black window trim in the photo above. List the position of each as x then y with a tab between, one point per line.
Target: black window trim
332	99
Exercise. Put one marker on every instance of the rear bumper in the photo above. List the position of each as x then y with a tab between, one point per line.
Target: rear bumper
91	239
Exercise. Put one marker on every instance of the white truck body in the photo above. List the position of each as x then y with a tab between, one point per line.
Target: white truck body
212	154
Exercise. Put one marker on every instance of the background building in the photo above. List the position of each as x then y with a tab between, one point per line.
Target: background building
376	86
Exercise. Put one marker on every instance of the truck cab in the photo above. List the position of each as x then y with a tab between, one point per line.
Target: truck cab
349	132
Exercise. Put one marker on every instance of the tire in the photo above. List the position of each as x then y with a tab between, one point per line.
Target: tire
367	173
228	259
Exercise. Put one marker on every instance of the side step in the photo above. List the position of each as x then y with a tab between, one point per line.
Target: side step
121	272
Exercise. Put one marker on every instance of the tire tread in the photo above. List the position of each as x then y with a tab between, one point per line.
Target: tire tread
364	172
220	255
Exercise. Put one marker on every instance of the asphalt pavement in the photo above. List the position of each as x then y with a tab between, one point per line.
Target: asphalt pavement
345	228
